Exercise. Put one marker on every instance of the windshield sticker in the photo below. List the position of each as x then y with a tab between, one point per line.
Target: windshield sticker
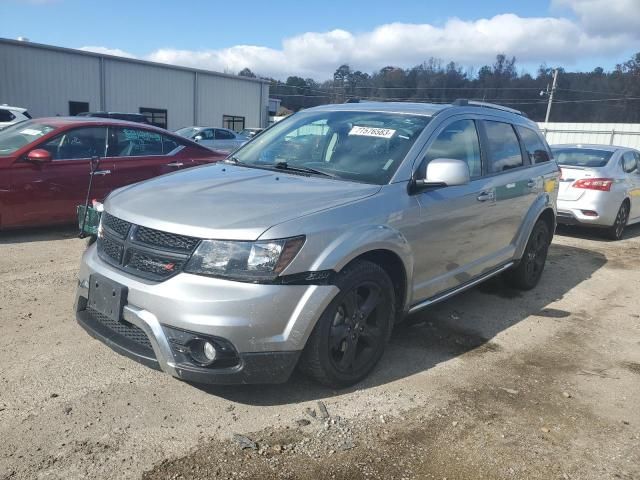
31	131
372	132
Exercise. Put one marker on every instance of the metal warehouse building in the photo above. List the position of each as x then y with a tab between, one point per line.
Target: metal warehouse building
51	81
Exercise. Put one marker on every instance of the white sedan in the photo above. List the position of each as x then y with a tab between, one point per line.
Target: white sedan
599	187
214	138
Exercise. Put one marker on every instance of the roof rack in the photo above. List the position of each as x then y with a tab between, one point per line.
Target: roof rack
463	102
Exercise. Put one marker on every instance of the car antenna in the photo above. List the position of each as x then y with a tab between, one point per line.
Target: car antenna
94	163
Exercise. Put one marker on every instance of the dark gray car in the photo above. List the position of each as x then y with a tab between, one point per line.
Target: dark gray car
308	244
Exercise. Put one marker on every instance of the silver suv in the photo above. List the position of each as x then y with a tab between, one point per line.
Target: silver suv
307	245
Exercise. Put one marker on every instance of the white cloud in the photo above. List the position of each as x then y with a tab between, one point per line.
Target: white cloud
605	16
554	40
108	51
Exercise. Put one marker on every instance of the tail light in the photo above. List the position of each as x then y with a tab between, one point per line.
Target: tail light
602	184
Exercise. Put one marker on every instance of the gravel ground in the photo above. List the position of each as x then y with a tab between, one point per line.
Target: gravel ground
491	384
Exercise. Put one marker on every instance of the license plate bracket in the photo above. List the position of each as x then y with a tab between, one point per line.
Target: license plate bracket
106	296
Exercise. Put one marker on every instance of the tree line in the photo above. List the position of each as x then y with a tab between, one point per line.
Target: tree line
596	96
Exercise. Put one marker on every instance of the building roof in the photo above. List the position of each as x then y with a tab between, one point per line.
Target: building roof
74	51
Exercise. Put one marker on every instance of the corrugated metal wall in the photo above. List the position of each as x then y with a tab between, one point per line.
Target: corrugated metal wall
621	134
130	86
45	79
218	96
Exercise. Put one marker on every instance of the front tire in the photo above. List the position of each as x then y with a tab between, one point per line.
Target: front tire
353	331
615	231
527	273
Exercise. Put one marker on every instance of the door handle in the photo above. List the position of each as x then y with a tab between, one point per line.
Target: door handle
531	183
102	172
175	164
484	196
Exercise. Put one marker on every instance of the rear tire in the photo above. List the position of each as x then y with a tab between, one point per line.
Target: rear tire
353	331
616	231
527	273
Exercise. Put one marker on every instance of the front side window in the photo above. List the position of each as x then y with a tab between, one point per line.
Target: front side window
582	157
77	144
17	136
533	145
504	148
458	141
134	142
207	134
358	146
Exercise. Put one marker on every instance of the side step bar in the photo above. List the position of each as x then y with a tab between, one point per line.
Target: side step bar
450	293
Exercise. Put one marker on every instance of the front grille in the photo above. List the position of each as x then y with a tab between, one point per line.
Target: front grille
143	251
165	239
111	249
117	225
127	330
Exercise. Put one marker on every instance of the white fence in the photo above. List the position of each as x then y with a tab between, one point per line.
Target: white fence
621	134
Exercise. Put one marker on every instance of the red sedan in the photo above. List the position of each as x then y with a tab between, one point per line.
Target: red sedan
45	164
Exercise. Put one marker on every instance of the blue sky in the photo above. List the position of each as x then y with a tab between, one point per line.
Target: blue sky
286	37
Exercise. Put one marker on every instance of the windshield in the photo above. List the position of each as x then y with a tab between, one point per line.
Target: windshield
17	136
360	146
581	157
187	132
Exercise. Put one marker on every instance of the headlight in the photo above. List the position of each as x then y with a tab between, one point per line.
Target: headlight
244	261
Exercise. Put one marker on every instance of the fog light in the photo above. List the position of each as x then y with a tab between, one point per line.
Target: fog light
202	352
209	351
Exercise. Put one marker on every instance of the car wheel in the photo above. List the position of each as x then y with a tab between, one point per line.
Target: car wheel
352	333
616	230
527	273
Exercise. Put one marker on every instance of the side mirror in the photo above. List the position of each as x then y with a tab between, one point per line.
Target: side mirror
444	172
197	138
39	155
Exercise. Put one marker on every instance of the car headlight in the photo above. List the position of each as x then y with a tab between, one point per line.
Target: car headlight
245	261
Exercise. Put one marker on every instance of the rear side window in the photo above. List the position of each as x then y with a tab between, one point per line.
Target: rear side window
504	148
629	163
534	146
224	135
134	142
6	115
458	141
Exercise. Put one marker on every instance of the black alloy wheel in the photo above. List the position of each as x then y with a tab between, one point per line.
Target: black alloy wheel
351	334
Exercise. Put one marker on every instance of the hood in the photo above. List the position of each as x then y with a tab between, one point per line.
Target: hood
229	202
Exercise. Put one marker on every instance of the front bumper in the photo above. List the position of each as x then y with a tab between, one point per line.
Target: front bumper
267	325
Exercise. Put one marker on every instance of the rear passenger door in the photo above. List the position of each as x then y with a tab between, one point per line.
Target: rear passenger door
139	154
225	140
512	185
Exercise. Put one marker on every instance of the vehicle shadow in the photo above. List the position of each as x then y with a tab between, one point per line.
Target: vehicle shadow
39	234
576	231
462	325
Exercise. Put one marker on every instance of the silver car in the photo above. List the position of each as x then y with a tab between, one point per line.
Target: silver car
308	244
214	138
599	187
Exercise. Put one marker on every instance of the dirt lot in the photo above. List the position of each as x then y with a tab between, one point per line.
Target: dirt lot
492	384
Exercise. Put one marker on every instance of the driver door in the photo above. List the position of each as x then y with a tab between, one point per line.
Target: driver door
452	242
56	188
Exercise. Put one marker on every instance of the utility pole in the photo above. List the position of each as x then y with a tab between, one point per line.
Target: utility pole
553	90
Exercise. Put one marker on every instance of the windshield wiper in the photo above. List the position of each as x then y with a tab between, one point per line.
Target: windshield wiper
235	161
285	166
